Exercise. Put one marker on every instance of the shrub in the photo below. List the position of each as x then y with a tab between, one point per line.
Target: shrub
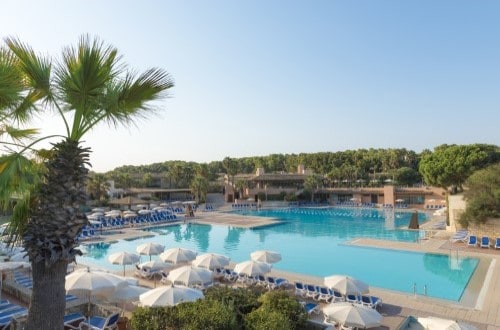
262	319
206	314
202	314
155	318
284	303
241	300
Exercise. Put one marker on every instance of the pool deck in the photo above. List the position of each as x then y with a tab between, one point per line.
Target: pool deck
479	306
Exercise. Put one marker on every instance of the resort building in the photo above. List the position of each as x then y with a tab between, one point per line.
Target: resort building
244	187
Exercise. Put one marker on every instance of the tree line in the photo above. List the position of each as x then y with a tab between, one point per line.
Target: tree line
445	166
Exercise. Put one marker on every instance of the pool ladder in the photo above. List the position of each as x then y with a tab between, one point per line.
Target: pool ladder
415	289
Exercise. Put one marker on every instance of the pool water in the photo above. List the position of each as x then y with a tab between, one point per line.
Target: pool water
312	241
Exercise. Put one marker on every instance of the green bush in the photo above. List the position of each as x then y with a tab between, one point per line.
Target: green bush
262	319
202	314
283	302
226	308
206	314
156	318
241	300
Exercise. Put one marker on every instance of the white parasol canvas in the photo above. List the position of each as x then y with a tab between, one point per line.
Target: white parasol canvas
169	295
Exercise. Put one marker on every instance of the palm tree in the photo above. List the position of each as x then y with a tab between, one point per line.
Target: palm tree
199	188
97	187
88	86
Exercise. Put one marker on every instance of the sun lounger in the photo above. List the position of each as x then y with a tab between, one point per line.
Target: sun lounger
101	323
323	294
311	291
273	283
472	240
73	320
300	289
371	301
485	242
337	296
497	243
311	308
352	298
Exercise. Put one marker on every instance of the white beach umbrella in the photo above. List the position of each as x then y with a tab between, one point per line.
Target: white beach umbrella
269	257
188	275
92	282
126	294
178	255
346	284
353	315
252	268
150	249
436	323
169	295
124	258
211	261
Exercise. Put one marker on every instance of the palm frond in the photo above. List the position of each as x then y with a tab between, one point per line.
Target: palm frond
18	175
17	134
11	86
36	74
83	76
130	98
21	212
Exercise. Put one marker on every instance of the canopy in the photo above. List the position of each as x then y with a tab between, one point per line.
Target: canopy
353	315
124	258
211	261
252	268
188	275
150	249
178	255
346	284
169	296
269	257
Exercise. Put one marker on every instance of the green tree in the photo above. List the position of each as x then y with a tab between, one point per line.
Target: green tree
482	195
97	187
199	188
406	176
89	85
147	180
450	165
312	183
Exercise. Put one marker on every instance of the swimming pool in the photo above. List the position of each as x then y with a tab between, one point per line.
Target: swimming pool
312	241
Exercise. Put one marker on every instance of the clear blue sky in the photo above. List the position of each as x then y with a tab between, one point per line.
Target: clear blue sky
260	77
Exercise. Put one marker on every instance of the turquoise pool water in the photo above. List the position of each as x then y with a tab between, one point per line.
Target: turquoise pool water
312	241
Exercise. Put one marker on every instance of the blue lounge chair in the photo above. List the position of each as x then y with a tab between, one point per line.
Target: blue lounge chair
311	308
102	323
497	243
485	242
352	298
324	294
371	301
73	320
273	283
337	296
300	289
311	291
472	240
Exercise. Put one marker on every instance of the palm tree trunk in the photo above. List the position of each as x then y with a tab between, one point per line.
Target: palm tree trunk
46	312
50	235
